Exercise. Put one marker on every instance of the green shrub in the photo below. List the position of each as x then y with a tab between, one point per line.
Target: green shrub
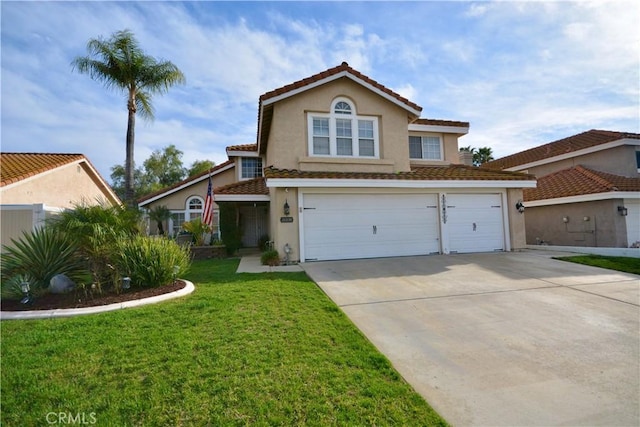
38	256
263	242
270	257
229	228
198	229
150	262
97	229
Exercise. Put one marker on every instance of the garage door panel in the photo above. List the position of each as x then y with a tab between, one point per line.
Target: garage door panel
475	222
348	226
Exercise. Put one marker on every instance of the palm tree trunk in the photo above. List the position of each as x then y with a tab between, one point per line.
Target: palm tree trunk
128	163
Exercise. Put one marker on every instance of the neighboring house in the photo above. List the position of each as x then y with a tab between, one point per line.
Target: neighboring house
36	185
345	168
588	191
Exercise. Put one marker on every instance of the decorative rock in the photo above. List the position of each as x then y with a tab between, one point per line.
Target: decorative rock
61	284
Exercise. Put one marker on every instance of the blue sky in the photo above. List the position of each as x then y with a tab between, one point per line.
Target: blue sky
522	73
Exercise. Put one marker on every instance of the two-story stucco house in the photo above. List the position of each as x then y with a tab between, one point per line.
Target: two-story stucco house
588	191
344	168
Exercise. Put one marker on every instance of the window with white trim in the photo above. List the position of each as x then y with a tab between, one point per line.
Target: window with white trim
251	167
425	147
194	208
343	133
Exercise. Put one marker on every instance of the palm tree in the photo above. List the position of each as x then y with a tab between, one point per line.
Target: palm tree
121	64
159	214
482	155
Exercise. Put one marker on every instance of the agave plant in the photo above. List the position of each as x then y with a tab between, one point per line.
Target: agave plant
38	256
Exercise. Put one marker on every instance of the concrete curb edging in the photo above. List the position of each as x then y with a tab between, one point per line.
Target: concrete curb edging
68	312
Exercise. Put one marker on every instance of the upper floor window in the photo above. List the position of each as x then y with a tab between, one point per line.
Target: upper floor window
343	133
425	147
251	167
638	159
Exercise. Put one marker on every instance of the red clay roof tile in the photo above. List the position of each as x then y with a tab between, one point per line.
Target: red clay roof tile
243	147
578	181
15	167
256	186
581	141
452	172
438	122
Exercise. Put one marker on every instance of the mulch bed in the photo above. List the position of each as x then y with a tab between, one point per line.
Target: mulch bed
78	299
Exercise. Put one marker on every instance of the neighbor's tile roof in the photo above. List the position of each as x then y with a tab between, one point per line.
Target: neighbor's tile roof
15	167
331	72
243	147
452	172
581	141
437	122
577	181
252	186
183	182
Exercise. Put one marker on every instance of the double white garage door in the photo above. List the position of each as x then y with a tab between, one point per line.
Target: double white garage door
348	226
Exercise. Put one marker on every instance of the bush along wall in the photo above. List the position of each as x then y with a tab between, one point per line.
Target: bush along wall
229	227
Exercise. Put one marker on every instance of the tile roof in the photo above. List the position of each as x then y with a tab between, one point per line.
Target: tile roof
581	141
436	122
427	173
252	186
331	72
15	167
243	147
183	182
578	181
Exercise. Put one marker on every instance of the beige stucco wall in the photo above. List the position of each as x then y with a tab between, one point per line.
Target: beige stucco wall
288	232
517	230
618	160
605	227
62	187
178	199
288	138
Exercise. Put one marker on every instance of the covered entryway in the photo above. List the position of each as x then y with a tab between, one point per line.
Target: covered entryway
349	226
475	223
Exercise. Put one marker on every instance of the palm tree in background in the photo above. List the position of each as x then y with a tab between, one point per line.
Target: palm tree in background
121	64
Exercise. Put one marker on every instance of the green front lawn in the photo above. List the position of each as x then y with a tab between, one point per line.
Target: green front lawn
243	349
625	264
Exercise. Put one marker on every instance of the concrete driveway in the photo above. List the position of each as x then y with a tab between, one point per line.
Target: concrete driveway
501	338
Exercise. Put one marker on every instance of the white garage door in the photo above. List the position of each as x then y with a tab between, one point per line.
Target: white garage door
633	220
475	222
348	226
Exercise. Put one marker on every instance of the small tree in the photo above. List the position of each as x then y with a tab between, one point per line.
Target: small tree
159	214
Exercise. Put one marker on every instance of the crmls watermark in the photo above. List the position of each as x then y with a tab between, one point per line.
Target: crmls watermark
68	418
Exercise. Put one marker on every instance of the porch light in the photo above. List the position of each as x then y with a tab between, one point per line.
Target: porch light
622	210
126	282
287	210
26	291
520	206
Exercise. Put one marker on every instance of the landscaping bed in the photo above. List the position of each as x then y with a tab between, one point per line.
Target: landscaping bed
80	299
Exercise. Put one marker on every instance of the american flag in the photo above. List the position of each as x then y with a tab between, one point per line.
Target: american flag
207	213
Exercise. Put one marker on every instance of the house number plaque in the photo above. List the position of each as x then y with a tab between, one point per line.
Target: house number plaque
286	219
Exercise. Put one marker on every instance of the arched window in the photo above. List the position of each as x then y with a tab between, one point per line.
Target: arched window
194	207
343	133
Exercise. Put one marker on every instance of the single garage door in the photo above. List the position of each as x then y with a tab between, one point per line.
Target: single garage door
475	223
348	226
